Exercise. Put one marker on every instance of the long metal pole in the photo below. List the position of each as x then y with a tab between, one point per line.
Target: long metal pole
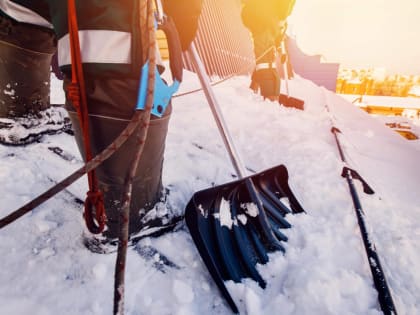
384	293
147	24
214	106
284	64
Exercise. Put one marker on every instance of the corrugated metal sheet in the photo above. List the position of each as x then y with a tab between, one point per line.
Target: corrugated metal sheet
225	47
222	41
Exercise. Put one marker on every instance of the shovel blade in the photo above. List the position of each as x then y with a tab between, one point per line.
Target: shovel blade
223	223
289	101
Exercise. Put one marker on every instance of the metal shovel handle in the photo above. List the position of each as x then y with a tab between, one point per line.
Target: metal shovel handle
216	111
284	65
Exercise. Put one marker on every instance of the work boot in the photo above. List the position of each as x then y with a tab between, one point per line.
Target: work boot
25	59
111	103
31	128
147	184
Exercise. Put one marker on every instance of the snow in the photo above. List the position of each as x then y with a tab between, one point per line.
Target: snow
251	209
387	101
225	215
45	269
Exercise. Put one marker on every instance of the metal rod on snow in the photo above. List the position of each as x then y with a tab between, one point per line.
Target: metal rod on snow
284	65
221	124
384	294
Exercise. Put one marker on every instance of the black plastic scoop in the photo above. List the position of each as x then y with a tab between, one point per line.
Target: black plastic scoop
227	230
236	225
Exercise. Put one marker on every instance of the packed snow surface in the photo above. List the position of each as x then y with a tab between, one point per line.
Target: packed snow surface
45	269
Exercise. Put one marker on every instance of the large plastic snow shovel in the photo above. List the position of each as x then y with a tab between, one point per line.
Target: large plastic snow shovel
236	225
286	99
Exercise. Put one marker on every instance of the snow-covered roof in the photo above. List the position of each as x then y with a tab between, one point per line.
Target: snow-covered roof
47	270
386	101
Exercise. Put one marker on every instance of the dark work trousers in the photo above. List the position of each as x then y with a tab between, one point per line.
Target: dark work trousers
111	104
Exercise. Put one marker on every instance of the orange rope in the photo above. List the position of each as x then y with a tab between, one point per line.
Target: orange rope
76	93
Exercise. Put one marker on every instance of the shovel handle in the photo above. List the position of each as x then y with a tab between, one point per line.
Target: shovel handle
216	111
284	65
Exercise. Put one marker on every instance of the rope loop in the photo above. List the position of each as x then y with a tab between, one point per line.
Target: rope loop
94	213
76	92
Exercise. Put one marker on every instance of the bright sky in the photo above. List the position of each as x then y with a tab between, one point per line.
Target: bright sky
360	33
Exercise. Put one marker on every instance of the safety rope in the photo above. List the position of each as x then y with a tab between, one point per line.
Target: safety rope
148	40
76	93
90	164
242	70
88	167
